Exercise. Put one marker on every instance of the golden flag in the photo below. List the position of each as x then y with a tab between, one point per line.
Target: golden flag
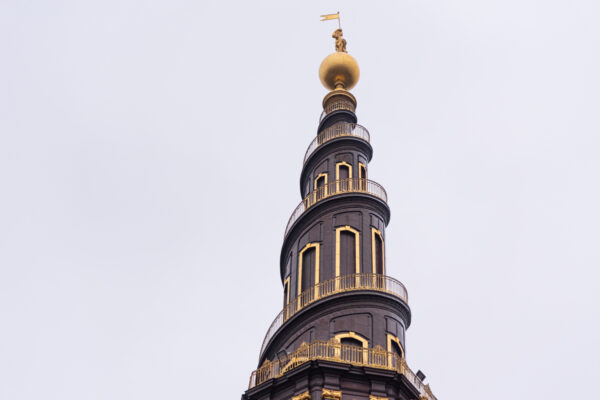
327	17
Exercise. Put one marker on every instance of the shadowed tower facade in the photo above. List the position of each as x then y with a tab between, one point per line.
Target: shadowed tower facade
340	334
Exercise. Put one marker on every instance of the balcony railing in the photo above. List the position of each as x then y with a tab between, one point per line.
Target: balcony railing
376	357
342	104
346	283
335	131
348	185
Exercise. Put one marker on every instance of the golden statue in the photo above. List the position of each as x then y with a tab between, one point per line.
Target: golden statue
340	42
339	71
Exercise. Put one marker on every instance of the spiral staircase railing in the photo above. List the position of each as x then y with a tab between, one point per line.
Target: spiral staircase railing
346	283
341	186
340	129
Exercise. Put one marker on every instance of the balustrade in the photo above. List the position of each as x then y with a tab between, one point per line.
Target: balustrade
348	185
340	129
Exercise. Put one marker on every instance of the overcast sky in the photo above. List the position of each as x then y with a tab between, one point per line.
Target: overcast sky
142	141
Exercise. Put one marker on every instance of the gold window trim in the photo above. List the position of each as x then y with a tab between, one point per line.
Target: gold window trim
362	166
325	187
373	250
337	174
391	338
352	335
337	169
286	288
323	175
317	246
338	251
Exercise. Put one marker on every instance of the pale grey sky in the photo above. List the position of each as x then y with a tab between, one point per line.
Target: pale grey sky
140	141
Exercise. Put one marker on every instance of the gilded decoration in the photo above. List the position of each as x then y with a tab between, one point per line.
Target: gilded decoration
302	396
329	394
340	42
371	397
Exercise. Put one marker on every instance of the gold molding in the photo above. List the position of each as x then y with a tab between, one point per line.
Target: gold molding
371	397
302	396
391	338
360	168
286	288
329	394
373	252
324	174
337	169
352	335
317	247
338	251
315	188
337	175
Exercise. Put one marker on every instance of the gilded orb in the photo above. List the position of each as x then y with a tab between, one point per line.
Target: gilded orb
339	69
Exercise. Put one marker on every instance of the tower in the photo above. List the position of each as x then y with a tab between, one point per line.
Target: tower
340	334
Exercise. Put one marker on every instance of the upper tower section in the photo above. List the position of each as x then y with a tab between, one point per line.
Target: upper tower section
339	72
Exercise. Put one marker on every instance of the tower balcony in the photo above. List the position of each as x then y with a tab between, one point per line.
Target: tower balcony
337	105
340	129
338	187
340	284
333	351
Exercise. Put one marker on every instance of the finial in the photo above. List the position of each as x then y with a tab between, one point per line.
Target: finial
340	42
339	70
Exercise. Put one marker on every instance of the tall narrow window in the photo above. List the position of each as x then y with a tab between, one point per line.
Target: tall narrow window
308	272
362	175
347	253
353	347
308	269
396	353
343	175
362	171
378	252
320	186
286	291
347	257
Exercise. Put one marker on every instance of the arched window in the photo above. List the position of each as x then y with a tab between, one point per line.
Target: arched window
308	272
395	350
353	347
320	186
286	291
378	252
362	171
343	175
362	176
347	256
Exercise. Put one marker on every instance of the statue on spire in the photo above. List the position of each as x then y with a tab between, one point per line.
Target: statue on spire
340	42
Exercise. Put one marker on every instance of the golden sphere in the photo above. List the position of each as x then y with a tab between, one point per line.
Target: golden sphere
339	69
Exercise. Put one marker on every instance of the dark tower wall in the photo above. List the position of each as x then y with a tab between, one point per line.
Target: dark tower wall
341	332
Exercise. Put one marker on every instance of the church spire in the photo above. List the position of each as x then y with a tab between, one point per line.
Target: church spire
341	331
